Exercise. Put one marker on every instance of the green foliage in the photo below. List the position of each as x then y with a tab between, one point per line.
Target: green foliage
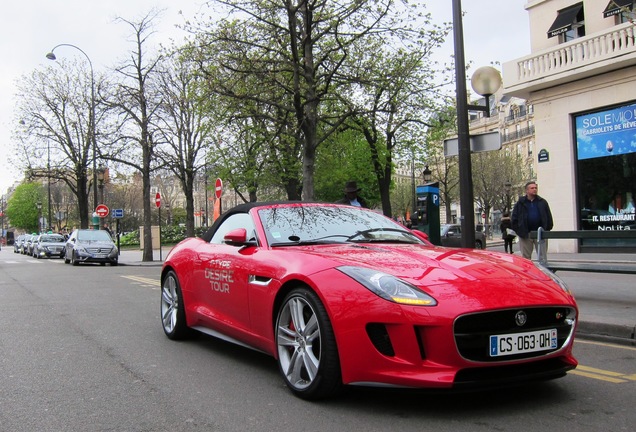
169	235
22	208
345	158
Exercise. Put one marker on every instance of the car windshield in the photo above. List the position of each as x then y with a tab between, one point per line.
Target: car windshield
290	225
94	235
52	239
447	229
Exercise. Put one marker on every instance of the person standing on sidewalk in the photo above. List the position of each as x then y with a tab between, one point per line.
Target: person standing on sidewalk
504	226
528	214
351	197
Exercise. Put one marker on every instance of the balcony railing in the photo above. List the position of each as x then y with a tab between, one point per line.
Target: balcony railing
517	134
613	49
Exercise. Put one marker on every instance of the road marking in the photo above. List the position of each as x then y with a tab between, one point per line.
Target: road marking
588	342
147	282
603	375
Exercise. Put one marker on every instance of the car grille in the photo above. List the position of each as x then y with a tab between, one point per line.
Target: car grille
99	250
472	332
55	249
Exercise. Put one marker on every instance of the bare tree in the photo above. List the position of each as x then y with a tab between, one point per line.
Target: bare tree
54	127
137	100
185	126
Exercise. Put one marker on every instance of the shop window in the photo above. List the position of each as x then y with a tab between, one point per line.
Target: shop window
606	173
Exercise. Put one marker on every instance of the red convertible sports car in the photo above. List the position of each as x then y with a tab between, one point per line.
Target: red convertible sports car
342	295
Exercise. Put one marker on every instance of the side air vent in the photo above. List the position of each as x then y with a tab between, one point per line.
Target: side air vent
380	339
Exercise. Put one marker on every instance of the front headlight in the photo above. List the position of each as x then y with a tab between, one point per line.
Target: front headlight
546	271
388	287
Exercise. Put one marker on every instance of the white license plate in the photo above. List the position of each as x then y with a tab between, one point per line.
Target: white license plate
519	343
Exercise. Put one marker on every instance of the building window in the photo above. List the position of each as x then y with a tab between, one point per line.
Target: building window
530	148
623	10
569	23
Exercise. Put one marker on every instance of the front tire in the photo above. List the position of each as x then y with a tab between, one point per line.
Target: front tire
173	318
307	351
73	260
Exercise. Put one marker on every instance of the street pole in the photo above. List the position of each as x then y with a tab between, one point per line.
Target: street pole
48	174
466	197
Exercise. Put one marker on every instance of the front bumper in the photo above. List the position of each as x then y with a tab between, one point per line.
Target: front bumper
445	347
88	256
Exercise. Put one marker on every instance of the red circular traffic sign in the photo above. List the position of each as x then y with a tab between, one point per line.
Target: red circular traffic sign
218	188
158	200
102	210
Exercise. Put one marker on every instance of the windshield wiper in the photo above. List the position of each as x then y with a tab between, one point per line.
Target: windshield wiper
372	230
296	241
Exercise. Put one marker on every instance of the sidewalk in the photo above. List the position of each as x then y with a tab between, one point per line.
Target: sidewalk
607	302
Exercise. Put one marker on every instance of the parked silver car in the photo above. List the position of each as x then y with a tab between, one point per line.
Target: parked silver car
94	246
451	236
49	246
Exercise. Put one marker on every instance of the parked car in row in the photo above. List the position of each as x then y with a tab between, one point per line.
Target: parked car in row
48	246
90	246
451	236
17	245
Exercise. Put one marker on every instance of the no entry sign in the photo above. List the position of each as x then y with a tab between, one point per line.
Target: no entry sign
102	210
218	188
158	200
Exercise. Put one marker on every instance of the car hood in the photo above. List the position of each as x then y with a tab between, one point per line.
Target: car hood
471	275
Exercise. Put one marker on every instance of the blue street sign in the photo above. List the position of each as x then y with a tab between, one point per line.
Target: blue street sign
118	213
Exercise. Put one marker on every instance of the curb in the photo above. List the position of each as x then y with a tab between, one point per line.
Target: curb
617	333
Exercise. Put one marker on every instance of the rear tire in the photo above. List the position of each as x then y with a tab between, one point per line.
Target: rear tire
307	351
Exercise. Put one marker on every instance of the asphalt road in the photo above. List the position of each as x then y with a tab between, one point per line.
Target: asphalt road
82	349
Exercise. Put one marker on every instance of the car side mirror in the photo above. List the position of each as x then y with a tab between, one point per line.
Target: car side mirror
238	237
421	235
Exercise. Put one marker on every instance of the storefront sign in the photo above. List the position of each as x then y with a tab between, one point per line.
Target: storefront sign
606	133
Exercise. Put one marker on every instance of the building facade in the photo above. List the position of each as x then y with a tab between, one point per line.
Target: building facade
580	79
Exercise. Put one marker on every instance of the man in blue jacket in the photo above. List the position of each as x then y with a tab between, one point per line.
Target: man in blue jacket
528	214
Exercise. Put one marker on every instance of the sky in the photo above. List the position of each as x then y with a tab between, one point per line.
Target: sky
495	31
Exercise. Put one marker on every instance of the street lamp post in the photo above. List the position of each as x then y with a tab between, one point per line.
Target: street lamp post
48	175
91	114
508	189
39	206
100	182
427	175
482	81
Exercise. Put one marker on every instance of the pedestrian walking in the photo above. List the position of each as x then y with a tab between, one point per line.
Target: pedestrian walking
507	232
